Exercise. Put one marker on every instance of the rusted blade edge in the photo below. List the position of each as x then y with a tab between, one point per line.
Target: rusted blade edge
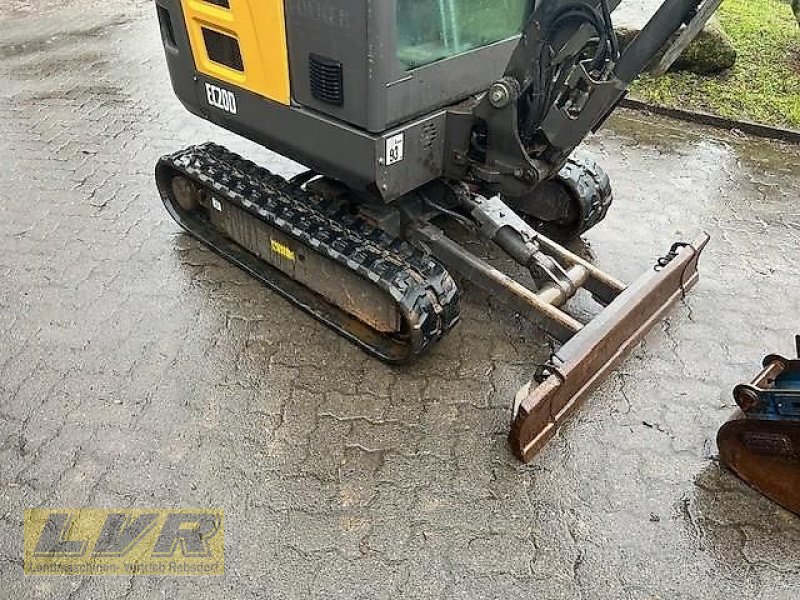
765	455
586	359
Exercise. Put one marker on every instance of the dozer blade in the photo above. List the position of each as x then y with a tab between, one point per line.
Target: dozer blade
584	361
765	454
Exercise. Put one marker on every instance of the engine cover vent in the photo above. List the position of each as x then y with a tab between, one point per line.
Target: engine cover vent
327	82
223	49
428	135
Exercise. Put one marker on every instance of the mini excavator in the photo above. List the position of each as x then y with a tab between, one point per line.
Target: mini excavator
408	113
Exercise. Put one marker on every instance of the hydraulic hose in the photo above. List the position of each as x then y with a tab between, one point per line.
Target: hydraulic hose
543	82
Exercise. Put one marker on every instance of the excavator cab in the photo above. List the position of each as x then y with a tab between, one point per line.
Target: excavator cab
309	78
428	32
406	113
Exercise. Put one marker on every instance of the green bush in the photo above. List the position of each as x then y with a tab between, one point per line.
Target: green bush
763	85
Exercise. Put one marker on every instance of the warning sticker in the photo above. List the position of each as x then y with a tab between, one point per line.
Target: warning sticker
281	249
394	148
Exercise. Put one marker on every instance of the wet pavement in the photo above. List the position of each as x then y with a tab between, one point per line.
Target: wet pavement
138	369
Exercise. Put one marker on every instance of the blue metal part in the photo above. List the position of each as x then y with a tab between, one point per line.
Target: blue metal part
785	398
781	400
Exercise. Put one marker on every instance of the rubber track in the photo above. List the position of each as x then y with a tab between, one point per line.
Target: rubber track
424	290
591	186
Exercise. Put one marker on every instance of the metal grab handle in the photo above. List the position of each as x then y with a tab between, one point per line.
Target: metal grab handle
747	395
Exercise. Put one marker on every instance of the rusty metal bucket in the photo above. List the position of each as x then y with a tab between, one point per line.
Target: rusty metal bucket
584	361
761	442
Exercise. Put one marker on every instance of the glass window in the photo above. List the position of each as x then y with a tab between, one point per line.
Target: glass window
430	30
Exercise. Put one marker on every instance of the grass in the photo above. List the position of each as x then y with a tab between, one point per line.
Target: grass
764	86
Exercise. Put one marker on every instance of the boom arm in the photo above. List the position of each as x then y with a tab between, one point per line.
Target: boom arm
560	84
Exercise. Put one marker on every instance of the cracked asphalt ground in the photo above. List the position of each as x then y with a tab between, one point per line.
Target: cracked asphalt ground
138	369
